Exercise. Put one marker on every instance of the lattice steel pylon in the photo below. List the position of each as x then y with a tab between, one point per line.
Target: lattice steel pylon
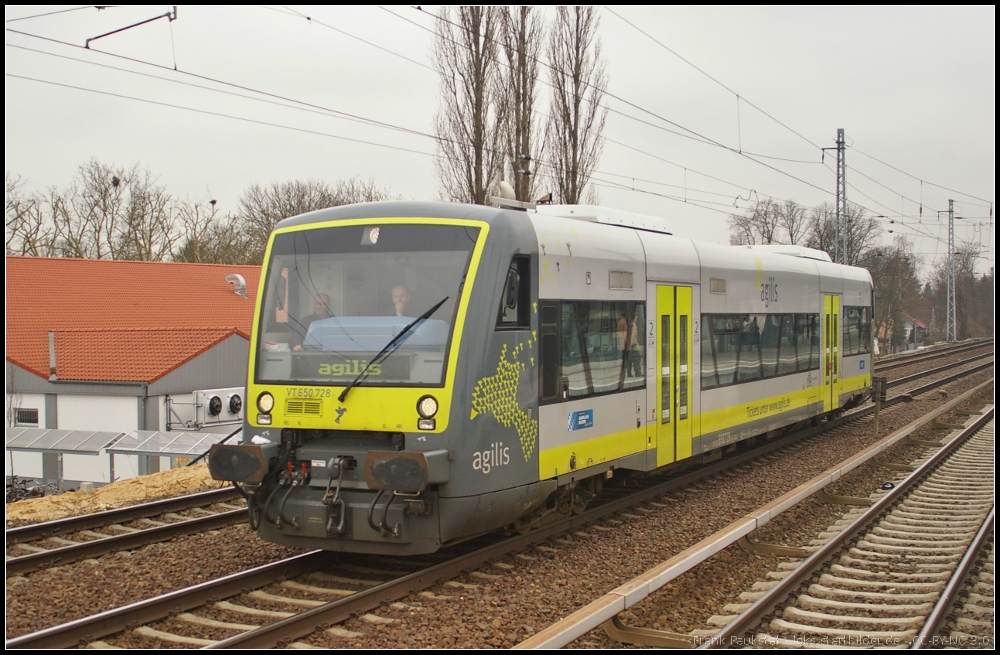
840	249
951	322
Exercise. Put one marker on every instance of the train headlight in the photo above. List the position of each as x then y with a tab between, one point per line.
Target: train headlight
427	406
265	402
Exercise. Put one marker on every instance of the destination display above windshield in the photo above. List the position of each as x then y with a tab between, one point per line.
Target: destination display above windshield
347	366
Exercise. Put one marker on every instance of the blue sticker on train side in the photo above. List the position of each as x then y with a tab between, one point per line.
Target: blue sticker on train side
861	364
580	420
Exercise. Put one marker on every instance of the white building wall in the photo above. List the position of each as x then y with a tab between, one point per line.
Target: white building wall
106	413
25	465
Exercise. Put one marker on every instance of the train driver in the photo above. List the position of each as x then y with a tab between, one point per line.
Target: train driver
401	299
321	310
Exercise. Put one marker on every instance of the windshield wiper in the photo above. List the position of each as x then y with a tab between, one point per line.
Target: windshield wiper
385	352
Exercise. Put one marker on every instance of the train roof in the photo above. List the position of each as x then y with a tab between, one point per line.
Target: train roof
722	255
419	209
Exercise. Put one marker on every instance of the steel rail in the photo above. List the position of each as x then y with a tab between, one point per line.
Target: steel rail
304	623
729	636
80	631
939	369
97	547
121	515
606	607
936	619
285	631
910	360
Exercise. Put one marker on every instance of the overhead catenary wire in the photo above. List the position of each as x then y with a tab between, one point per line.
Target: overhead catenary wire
286	98
390	126
61	11
743	99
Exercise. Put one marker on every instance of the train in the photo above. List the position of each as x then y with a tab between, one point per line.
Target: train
424	372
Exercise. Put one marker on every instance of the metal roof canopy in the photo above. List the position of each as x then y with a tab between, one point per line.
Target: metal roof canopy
73	442
166	444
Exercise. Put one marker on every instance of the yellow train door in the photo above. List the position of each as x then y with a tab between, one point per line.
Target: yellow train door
831	352
674	382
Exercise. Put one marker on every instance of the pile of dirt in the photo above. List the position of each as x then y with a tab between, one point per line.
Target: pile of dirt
144	488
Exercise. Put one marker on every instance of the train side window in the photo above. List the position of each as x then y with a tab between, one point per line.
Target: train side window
576	350
787	345
709	365
738	348
750	365
635	358
727	330
549	351
591	348
856	330
515	300
770	343
807	336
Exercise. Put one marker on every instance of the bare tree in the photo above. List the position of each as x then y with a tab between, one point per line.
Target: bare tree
209	238
114	213
863	232
523	140
106	213
29	228
468	122
147	231
897	288
579	80
261	208
792	219
769	222
758	225
974	301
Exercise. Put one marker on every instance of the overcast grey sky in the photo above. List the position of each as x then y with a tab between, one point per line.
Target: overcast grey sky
913	87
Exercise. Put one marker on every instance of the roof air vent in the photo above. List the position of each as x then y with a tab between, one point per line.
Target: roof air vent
239	284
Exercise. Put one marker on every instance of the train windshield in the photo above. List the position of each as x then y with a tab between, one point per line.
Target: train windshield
335	296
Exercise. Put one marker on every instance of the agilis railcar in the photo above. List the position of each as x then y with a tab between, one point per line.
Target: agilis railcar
421	373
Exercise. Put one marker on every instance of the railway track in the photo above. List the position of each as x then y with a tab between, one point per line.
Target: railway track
935	352
604	610
31	547
287	600
917	357
877	581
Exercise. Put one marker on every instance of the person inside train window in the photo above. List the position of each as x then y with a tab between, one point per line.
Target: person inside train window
622	331
401	299
321	310
634	364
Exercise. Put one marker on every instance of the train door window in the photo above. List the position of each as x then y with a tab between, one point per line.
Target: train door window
836	350
515	300
682	371
665	368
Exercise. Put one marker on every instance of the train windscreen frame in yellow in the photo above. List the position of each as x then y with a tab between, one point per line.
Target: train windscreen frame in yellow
377	406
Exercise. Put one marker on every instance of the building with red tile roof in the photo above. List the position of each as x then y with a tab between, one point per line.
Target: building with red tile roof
123	345
120	321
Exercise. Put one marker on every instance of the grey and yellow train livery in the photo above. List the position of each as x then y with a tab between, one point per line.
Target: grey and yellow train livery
425	372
